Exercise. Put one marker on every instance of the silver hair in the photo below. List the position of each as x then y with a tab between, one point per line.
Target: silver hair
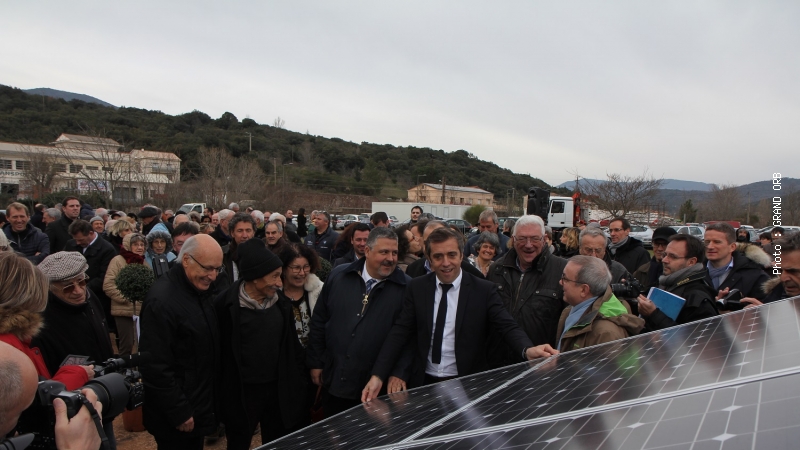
278	224
488	214
223	214
53	212
527	220
591	231
436	222
593	272
233	205
378	233
487	237
258	215
189	247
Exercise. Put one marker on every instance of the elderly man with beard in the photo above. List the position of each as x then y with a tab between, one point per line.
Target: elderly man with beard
528	279
263	379
352	318
179	330
685	276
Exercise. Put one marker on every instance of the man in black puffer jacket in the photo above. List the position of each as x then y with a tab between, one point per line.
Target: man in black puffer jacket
23	237
179	330
624	249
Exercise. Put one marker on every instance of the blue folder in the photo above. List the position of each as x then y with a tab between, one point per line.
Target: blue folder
669	304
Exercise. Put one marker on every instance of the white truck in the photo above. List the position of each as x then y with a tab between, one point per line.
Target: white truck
557	212
196	207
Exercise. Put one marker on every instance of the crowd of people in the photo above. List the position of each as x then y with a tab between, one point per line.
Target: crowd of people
256	318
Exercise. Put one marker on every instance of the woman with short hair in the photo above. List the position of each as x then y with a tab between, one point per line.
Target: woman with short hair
486	248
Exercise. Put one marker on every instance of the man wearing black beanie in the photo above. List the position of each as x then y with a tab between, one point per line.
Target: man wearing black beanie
261	354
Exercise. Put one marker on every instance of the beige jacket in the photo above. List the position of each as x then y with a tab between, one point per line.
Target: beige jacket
119	305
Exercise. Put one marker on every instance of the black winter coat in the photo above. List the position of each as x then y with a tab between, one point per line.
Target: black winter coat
746	275
534	299
58	234
700	303
631	255
323	244
180	331
345	344
29	242
292	375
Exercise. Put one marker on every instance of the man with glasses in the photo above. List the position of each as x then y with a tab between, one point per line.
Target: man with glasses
685	276
594	314
179	330
787	282
648	274
624	249
592	242
528	278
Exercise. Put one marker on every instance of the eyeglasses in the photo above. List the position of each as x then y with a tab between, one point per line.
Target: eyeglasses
528	239
300	269
564	278
219	269
70	288
674	256
616	230
586	251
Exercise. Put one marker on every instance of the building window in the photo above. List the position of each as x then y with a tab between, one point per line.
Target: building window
92	168
6	164
62	168
75	168
23	165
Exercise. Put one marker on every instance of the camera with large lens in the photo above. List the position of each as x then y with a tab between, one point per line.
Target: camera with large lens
117	386
629	289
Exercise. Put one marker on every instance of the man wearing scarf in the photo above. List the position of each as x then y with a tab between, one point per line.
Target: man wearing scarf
624	249
685	276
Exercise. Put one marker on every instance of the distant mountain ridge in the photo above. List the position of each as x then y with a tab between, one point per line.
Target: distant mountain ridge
669	183
55	93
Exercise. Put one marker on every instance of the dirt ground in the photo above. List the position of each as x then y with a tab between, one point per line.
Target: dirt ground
144	440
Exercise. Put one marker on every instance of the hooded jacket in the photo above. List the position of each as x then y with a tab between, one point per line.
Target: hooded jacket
28	242
773	290
120	306
17	327
607	320
747	273
632	254
154	234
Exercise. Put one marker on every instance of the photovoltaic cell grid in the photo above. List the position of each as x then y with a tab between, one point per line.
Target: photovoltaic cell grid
734	351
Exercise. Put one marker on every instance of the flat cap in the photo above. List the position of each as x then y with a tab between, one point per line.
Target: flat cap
63	265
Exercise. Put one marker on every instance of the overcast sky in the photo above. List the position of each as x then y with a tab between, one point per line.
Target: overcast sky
703	91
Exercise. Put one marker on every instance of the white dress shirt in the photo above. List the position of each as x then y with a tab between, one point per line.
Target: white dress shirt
447	367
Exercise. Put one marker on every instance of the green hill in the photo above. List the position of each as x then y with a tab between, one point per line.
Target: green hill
318	163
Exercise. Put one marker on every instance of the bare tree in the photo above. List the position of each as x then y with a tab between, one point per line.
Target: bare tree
41	170
278	122
225	177
621	195
100	162
723	203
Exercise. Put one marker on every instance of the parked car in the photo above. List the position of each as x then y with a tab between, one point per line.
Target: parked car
691	230
345	220
461	224
786	229
642	233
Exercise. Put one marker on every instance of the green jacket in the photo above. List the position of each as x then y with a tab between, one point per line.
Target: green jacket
607	320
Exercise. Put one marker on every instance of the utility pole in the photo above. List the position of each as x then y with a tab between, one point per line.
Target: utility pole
275	169
250	149
748	207
444	188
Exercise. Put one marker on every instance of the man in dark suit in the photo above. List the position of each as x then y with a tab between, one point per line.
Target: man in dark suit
449	314
422	266
98	253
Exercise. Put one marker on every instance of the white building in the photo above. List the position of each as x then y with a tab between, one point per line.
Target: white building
85	164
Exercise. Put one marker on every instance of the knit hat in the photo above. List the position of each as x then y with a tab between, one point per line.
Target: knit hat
63	265
148	211
663	233
96	219
255	260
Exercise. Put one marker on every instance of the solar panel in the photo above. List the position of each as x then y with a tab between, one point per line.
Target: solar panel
587	398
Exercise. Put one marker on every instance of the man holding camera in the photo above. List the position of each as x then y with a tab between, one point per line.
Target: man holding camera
18	392
594	314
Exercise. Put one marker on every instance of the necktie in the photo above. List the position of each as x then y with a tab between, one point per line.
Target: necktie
371	284
438	332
